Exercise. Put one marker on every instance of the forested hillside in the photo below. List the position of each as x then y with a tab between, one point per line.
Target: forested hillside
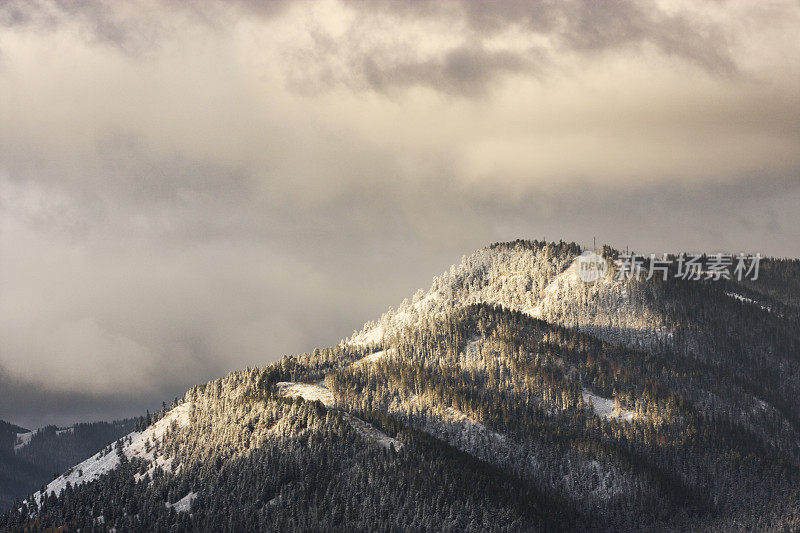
30	459
511	396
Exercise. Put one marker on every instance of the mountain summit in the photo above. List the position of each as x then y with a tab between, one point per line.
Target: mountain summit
511	396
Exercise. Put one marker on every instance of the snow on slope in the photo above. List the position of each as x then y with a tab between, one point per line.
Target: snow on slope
307	391
99	464
184	504
318	391
748	301
472	351
372	433
554	290
371	358
454	415
604	308
605	408
543	284
165	463
372	334
23	439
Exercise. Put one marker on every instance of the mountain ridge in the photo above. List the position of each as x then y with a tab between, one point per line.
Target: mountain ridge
611	412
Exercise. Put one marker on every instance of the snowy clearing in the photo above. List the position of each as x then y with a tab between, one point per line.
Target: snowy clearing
318	391
604	408
307	391
184	504
23	439
371	358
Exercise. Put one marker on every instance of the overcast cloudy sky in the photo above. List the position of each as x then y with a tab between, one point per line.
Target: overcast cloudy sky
190	188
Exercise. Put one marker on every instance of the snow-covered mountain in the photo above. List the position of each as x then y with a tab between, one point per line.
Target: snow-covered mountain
539	279
512	395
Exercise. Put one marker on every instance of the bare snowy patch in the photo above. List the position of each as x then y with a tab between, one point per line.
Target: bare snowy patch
22	440
373	357
606	408
184	504
369	336
308	391
318	391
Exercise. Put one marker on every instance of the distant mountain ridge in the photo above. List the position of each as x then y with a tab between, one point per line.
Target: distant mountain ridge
511	396
29	459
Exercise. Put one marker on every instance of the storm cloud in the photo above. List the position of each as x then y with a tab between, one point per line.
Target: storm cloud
190	188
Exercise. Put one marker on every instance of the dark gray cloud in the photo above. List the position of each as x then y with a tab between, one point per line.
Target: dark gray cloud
584	27
597	27
187	189
467	70
32	405
97	21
